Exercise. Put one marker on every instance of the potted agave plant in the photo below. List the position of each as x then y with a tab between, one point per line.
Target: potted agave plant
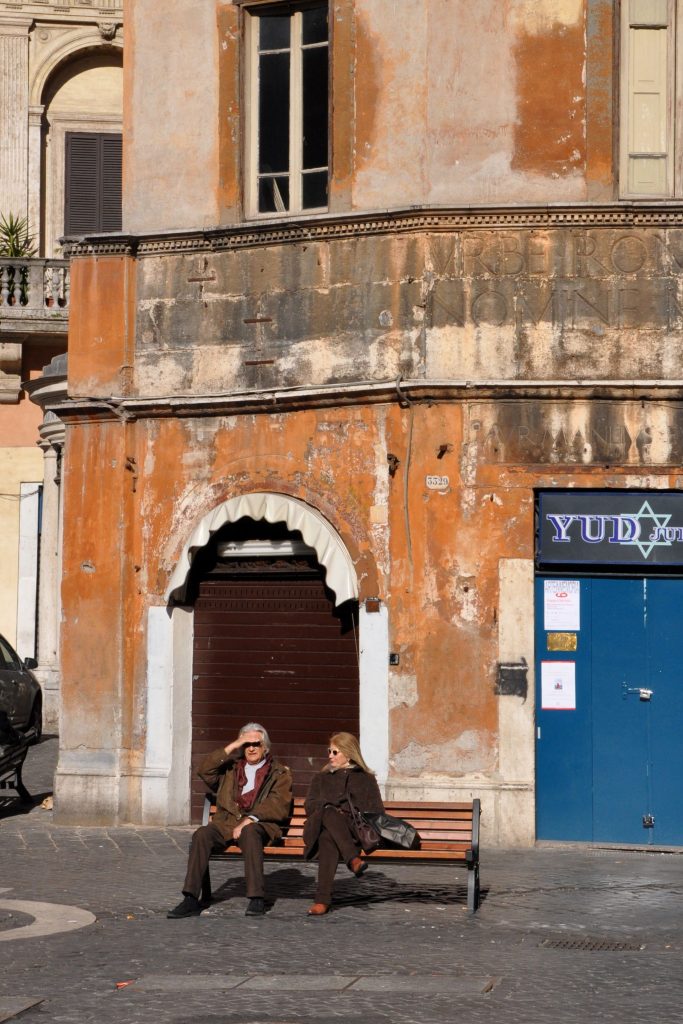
16	243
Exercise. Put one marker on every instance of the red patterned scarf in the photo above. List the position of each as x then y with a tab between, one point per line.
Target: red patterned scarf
245	801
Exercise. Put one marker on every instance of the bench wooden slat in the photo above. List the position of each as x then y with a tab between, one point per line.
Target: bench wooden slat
410	812
434	830
413	805
295	845
288	853
427	828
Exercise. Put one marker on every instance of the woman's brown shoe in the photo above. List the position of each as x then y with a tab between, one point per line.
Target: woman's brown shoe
317	909
357	866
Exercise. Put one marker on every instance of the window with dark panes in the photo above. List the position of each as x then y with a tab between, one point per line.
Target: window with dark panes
289	90
92	188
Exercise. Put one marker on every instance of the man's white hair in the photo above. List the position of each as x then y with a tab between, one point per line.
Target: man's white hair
255	727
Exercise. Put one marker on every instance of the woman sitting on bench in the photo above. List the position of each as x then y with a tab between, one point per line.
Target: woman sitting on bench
328	831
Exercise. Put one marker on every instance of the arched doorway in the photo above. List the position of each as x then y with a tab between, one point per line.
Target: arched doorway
270	645
167	771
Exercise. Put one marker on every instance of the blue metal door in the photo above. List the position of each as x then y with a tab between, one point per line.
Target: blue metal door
665	656
621	720
609	770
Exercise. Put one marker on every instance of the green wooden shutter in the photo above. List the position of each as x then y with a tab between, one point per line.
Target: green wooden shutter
647	166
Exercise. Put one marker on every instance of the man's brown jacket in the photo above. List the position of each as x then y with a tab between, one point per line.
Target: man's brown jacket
272	806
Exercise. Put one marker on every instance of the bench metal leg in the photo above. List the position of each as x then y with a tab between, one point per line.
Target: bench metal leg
473	888
21	789
206	886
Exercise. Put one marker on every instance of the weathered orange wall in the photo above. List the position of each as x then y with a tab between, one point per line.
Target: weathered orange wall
229	194
101	326
137	483
494	102
433	557
441	589
92	587
550	132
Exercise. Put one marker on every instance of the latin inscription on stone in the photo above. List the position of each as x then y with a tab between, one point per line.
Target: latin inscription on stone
512	304
570	278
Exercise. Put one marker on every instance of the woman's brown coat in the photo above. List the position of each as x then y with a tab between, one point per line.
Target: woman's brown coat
330	787
272	806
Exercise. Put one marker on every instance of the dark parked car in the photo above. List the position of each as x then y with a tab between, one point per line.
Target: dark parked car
21	699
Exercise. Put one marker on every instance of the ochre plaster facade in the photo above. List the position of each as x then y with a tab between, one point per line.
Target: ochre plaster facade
414	375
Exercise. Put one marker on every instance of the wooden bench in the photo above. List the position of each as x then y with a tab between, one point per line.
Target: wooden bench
449	833
11	763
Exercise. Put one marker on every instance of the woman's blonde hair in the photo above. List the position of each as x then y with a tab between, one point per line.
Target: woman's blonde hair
349	745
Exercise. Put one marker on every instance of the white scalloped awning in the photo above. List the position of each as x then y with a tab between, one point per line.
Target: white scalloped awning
340	574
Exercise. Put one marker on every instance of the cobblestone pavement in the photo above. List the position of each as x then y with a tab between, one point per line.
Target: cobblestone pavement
399	947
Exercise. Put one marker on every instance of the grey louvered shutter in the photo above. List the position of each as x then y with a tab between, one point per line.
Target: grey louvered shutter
80	211
92	183
110	190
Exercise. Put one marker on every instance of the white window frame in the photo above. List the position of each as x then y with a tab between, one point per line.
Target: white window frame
662	22
252	176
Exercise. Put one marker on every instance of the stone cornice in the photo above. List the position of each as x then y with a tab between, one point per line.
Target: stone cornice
402	392
384	222
62	12
13	24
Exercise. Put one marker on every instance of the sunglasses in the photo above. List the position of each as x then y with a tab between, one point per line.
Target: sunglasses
331	750
259	744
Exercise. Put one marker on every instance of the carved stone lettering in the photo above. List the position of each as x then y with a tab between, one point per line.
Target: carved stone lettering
504	303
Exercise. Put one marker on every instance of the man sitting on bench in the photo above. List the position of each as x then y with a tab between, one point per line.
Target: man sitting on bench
253	801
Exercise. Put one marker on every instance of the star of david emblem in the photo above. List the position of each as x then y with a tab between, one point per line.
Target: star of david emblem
645	546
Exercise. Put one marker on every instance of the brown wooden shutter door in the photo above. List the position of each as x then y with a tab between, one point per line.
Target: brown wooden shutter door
276	652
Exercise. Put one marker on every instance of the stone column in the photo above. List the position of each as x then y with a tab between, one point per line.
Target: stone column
35	128
14	106
49	603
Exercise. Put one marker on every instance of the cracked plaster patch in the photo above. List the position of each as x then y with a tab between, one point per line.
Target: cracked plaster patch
470	752
402	691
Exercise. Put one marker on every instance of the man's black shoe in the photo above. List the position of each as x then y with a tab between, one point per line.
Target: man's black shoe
255	907
189	907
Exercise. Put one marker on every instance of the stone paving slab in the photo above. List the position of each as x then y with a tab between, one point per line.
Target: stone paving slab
11	1008
298	983
429	985
187	983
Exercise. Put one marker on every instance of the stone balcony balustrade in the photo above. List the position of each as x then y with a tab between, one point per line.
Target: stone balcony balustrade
34	296
34	307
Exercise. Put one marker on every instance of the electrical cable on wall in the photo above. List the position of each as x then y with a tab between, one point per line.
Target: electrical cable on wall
406	403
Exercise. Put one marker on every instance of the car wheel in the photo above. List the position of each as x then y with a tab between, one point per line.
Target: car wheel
35	722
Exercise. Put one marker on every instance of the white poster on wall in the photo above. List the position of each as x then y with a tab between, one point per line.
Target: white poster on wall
561	604
558	686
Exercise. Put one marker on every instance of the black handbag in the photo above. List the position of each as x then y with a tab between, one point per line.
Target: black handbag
394	831
366	834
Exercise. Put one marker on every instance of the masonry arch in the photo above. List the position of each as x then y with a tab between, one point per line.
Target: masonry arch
80	93
273	507
61	50
260	528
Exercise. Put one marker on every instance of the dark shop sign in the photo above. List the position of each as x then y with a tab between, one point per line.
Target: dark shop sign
611	527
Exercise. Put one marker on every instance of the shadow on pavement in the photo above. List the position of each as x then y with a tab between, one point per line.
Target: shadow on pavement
375	887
